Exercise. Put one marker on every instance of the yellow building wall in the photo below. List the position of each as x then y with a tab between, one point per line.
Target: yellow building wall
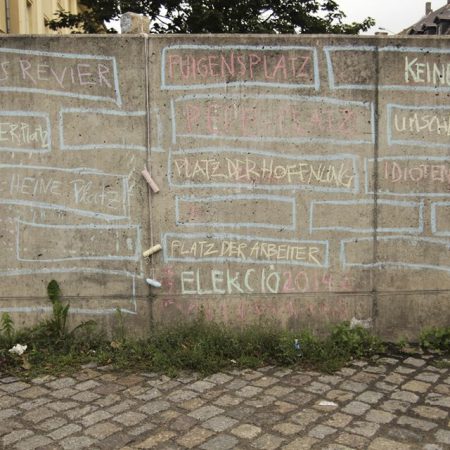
28	16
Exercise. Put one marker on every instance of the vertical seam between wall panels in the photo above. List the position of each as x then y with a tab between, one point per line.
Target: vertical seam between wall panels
376	187
149	157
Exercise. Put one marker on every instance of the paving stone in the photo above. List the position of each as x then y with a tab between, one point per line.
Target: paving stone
265	382
438	400
423	425
61	383
64	393
95	417
10	412
195	437
443	389
416	386
430	412
76	413
248	391
395	378
443	436
6	401
219	378
395	405
65	431
182	395
102	430
283	407
33	442
265	418
137	431
14	437
12	388
246	431
405	370
76	442
33	392
236	384
190	405
353	440
363	428
356	408
130	418
340	396
201	386
405	396
302	443
52	423
321	431
427	377
305	417
221	442
287	428
297	380
279	391
86	385
205	412
385	387
62	406
317	388
260	401
299	398
241	413
38	414
387	444
338	420
155	407
378	416
268	442
86	397
404	434
156	439
371	397
121	407
219	423
414	362
32	404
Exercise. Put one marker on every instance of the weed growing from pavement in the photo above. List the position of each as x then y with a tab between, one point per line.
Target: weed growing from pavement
198	345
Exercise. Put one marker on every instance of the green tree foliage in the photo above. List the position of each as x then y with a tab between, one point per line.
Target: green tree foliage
215	16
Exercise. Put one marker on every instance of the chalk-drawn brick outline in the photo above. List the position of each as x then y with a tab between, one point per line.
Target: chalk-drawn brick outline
261	153
434	229
371	87
232	197
417	230
112	59
394	264
137	246
53	271
315	85
111	112
391	141
156	115
228	259
61	207
290	98
41	115
403	158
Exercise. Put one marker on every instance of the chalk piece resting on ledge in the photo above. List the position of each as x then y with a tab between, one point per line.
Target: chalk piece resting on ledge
152	250
153	283
154	187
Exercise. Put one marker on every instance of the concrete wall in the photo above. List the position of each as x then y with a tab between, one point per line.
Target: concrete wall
304	179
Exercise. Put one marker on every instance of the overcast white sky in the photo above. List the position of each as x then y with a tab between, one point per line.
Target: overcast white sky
394	15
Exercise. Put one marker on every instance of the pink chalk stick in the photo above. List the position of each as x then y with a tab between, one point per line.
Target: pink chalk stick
154	187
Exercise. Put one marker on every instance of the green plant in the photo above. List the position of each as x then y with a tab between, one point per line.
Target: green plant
436	338
57	324
7	328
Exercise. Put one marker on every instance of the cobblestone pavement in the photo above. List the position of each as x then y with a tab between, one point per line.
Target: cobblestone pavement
393	404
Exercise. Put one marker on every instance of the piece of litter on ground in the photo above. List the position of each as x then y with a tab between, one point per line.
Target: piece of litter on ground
326	403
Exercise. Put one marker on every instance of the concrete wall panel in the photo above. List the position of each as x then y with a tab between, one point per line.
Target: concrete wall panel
302	178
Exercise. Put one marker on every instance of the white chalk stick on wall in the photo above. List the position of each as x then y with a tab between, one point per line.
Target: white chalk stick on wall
153	283
152	250
154	187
